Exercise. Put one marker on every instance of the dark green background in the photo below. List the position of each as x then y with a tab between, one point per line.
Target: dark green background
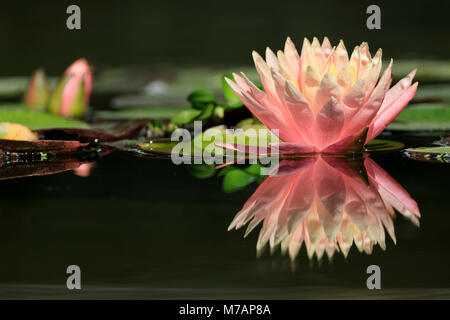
199	33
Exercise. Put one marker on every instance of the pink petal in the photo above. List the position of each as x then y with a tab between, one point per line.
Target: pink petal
329	122
268	118
395	92
271	59
331	192
383	119
340	56
328	88
391	190
354	99
292	57
369	110
266	77
300	110
350	143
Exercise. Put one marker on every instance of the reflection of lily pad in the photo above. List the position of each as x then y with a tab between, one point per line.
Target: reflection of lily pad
202	171
236	179
9	170
432	154
43	146
37	120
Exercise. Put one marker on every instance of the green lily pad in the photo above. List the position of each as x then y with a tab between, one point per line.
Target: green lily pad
423	117
437	113
383	145
431	154
37	120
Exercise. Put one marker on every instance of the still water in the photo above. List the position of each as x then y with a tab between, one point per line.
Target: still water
146	228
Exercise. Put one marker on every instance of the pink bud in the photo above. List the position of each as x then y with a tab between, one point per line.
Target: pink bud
78	72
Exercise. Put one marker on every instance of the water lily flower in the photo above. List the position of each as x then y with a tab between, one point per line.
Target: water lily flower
323	100
324	203
38	91
71	96
14	131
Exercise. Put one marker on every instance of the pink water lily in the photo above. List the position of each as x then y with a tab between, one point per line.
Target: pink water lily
326	205
323	100
71	96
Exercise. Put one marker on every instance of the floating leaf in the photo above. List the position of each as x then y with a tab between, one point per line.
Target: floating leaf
423	117
107	132
431	154
37	120
154	146
438	113
383	145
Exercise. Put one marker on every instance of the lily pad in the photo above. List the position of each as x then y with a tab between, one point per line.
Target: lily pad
423	117
105	132
383	145
36	120
430	154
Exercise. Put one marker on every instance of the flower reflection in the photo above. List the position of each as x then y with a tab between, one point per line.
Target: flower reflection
327	204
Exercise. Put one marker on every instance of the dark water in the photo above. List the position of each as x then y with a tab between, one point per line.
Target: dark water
145	228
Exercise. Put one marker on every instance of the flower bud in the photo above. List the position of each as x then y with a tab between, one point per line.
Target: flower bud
38	91
71	95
